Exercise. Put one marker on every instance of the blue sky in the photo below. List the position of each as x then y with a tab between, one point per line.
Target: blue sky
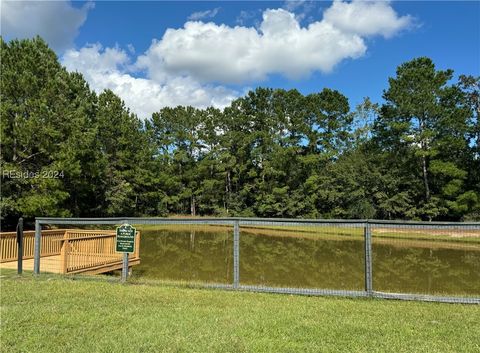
123	46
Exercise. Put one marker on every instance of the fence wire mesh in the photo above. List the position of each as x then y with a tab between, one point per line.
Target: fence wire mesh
422	259
401	260
310	256
186	253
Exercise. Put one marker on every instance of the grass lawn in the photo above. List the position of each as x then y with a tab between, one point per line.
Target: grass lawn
57	314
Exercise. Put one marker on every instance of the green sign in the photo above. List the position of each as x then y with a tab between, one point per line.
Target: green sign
125	241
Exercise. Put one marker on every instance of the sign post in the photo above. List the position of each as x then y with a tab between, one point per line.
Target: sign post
125	267
125	243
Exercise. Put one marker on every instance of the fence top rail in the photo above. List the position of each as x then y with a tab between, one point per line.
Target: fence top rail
232	220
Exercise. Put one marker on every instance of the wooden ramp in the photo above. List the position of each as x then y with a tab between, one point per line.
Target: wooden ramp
68	251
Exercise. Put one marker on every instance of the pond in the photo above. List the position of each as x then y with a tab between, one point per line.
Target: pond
326	261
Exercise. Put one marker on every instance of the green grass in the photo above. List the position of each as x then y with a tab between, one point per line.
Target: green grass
57	314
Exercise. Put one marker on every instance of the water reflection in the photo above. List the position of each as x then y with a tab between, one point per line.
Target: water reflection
320	262
298	262
425	270
186	255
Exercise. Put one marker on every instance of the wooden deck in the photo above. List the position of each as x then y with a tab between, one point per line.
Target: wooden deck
68	251
50	264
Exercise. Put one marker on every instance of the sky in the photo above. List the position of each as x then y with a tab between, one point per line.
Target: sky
158	53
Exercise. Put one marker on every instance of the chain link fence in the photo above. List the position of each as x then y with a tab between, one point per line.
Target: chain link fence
434	261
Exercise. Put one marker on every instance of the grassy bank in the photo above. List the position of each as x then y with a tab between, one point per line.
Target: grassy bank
54	314
313	232
415	238
340	232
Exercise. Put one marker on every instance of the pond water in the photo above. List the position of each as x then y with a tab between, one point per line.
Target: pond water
325	262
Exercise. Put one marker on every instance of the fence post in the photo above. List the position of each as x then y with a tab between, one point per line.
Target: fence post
36	254
236	254
20	246
368	259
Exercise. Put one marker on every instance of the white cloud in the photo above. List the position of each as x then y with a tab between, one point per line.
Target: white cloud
292	5
108	69
301	8
55	21
245	17
131	48
188	65
219	53
366	18
94	57
204	14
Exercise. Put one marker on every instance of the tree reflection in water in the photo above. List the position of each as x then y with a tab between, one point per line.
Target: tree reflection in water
322	262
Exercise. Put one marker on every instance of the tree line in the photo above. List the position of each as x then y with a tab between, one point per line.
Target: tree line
271	153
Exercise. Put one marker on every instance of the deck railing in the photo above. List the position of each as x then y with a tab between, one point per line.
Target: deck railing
90	249
78	249
50	245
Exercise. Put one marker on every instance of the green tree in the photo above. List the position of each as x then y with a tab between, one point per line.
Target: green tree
45	119
423	125
123	155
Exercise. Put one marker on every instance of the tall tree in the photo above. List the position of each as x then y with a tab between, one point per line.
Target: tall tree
422	119
123	153
45	127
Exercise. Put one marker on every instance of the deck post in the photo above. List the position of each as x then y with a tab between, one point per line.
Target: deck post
368	259
64	253
236	254
136	254
36	253
20	246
